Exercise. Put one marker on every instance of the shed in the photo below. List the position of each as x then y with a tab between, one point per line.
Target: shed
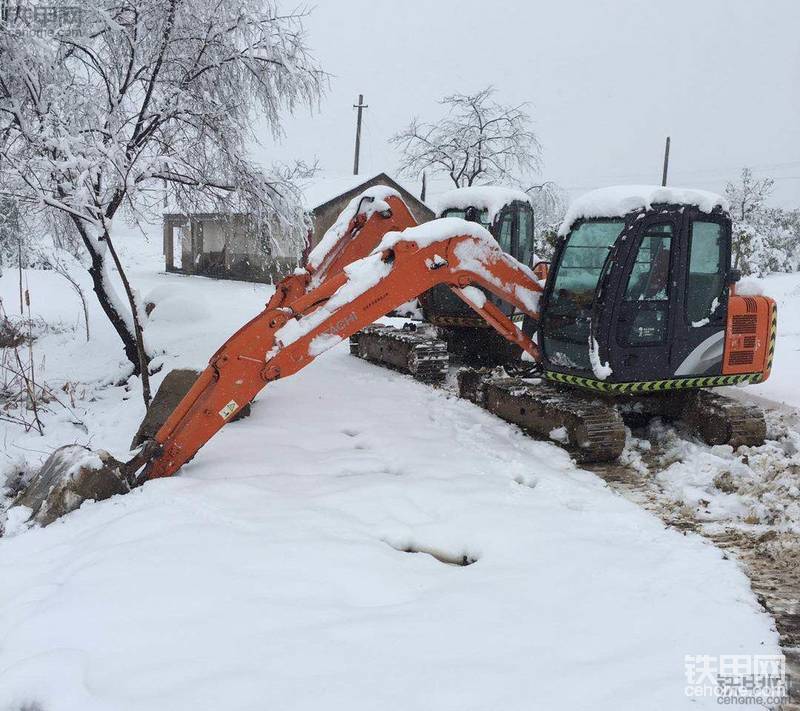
225	247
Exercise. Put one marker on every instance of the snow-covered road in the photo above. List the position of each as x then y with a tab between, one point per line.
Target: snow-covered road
271	574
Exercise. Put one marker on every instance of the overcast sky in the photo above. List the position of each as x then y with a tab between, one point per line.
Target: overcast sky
606	82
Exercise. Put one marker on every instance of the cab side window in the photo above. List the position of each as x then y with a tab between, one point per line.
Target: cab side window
525	221
504	230
706	281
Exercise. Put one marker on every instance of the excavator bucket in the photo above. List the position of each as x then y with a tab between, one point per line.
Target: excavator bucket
171	391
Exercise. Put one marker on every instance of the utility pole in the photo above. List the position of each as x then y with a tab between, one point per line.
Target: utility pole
666	163
360	106
424	187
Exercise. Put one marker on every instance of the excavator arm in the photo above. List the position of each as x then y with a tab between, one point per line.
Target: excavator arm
306	320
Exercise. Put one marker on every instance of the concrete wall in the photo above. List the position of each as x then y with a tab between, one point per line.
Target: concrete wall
227	249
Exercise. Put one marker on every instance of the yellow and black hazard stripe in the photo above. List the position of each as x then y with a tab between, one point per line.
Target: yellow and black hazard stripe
651	386
773	333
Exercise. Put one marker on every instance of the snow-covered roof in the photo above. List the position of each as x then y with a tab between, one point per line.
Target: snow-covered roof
491	198
322	189
621	199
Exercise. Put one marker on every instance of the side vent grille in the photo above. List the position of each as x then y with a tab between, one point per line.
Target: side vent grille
750	304
749	342
741	357
744	324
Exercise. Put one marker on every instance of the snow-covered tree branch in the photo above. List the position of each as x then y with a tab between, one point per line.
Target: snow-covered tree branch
764	238
477	141
147	93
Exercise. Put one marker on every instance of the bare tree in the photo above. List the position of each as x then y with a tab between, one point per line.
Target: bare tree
143	93
477	141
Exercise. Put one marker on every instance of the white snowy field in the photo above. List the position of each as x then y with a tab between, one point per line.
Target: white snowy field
784	383
271	572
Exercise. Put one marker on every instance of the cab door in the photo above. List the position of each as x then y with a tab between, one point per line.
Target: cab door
699	339
643	313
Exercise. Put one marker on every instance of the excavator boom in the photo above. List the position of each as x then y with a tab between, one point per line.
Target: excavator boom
301	324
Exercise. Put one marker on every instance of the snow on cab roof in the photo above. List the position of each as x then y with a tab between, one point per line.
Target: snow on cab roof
483	197
622	199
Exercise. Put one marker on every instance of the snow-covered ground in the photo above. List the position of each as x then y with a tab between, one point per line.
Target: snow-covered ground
784	383
273	572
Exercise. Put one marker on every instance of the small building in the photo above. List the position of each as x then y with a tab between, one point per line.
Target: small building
229	247
225	247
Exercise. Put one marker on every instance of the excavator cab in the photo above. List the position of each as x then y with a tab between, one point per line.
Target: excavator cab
645	300
508	215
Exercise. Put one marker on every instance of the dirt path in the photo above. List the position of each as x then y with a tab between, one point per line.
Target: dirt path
770	558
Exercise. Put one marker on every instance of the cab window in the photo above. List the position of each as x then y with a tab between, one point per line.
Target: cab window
525	220
649	278
583	259
483	215
504	232
706	281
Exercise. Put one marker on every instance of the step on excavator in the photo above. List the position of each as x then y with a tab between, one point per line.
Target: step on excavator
637	316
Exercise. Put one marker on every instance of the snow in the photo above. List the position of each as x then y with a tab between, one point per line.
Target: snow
177	309
749	286
601	370
475	296
271	574
752	486
783	385
491	198
560	434
322	343
437	231
622	199
378	193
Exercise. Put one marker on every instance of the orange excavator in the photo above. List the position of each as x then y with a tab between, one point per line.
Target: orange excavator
637	315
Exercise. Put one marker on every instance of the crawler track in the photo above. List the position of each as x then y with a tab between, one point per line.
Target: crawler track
412	351
590	429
